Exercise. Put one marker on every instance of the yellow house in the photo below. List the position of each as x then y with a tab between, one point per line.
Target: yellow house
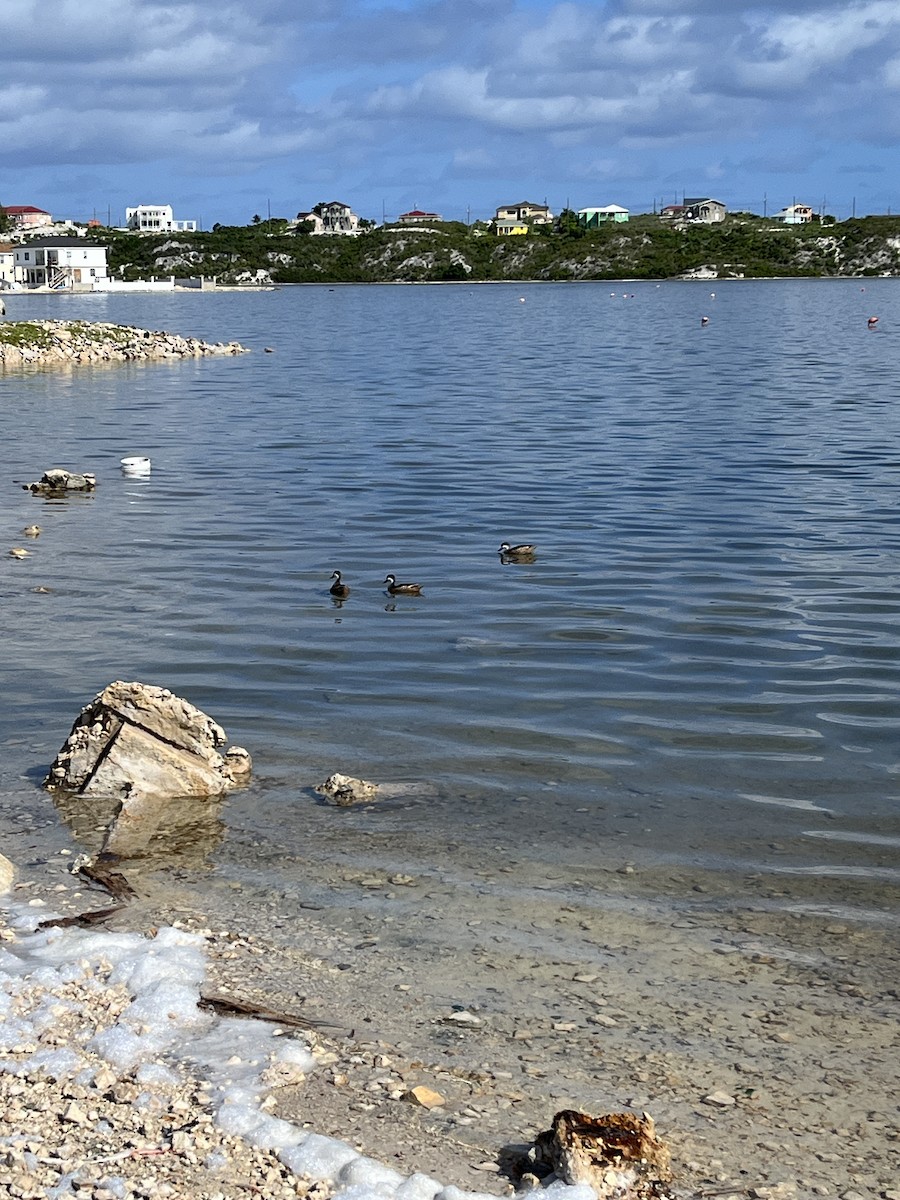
508	228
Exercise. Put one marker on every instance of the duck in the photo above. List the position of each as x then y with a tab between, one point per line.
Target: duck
32	531
523	550
339	590
402	589
19	552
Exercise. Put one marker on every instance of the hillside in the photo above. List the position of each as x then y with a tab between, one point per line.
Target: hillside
743	246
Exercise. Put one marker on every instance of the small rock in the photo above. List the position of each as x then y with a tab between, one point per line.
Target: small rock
720	1100
425	1097
344	790
462	1018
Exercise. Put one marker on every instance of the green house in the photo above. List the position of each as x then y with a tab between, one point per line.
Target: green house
592	218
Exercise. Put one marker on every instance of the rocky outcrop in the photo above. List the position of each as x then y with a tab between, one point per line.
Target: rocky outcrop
58	480
58	342
137	740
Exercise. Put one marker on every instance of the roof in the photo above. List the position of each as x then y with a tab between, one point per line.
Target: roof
689	203
527	204
58	240
19	210
418	212
608	208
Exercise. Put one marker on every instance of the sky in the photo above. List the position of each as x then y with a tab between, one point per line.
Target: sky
227	109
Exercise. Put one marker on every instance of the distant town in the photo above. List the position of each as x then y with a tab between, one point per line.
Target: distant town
39	251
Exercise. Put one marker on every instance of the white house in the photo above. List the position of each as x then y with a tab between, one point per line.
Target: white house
156	218
7	265
794	214
337	217
63	263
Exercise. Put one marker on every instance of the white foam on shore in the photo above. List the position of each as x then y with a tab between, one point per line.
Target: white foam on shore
160	1019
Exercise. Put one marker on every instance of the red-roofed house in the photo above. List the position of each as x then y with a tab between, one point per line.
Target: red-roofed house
25	216
415	215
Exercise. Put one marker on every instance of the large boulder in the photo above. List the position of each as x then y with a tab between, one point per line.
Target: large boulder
137	740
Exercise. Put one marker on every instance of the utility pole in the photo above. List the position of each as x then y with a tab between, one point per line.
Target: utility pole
854	208
765	204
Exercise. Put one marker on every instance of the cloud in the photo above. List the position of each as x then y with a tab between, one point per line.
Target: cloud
445	89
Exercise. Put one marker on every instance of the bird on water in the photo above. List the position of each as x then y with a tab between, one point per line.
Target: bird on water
402	589
339	590
523	550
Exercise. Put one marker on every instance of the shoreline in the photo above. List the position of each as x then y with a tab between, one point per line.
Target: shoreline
750	1018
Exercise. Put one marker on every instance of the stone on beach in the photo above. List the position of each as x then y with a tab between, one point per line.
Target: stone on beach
344	790
617	1154
7	874
138	740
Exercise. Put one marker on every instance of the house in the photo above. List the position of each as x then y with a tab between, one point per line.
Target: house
703	209
156	218
61	263
695	209
24	216
593	218
794	214
416	215
308	218
7	266
504	227
537	214
337	217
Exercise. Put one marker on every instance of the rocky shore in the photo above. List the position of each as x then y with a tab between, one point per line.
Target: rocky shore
48	343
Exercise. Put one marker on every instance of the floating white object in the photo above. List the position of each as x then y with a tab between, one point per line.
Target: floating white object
136	465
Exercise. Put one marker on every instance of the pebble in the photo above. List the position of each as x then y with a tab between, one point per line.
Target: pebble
720	1100
426	1097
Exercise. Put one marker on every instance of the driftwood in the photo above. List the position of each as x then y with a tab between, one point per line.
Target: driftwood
83	920
230	1006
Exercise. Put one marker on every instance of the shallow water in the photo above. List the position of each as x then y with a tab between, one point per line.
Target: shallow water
701	664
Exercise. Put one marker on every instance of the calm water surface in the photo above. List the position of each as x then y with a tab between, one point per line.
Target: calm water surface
703	659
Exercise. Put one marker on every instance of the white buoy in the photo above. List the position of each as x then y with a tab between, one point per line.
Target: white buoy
135	465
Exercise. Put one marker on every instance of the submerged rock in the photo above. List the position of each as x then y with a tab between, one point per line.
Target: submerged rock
137	740
344	790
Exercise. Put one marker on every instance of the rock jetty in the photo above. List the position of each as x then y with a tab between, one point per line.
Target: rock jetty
39	343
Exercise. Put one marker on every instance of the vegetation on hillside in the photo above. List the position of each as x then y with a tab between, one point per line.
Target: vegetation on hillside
644	248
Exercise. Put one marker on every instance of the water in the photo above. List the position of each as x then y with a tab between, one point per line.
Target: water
701	664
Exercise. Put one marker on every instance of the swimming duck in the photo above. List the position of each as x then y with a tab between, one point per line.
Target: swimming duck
523	550
339	590
32	531
19	552
402	589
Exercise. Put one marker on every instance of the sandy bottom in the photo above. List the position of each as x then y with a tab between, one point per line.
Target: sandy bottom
756	1019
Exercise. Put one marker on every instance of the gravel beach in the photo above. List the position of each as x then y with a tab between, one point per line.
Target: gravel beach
757	1027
